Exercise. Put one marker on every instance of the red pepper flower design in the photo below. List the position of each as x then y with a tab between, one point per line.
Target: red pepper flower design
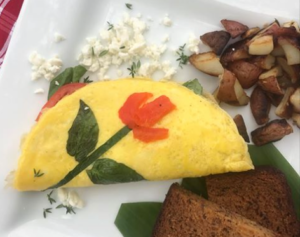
141	116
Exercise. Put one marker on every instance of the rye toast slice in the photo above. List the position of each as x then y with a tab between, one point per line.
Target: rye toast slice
261	195
186	214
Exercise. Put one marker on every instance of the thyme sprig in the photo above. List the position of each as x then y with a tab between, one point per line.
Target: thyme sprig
38	173
134	68
183	59
47	210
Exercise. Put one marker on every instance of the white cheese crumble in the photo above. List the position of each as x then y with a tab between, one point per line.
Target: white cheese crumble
42	68
39	91
193	44
167	21
58	37
69	198
124	44
166	38
56	83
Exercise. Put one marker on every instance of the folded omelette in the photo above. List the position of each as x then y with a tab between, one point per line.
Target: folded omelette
197	138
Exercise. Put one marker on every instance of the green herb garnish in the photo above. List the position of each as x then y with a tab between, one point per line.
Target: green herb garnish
129	6
69	209
195	86
37	173
47	210
183	59
87	80
83	134
104	52
107	171
50	199
110	26
87	161
69	75
122	47
134	68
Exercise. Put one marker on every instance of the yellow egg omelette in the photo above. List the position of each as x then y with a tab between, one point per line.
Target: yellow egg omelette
65	147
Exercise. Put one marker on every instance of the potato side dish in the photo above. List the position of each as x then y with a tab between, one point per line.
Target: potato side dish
267	58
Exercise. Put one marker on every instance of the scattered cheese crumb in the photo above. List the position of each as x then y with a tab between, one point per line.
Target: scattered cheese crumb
124	44
167	21
193	44
56	83
44	68
39	91
166	38
58	37
86	108
69	198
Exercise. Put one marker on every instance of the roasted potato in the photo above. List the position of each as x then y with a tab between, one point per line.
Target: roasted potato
247	73
217	40
292	24
208	63
231	91
274	99
261	45
284	81
271	85
250	33
264	62
260	106
270	29
291	70
285	108
234	52
271	132
275	72
295	100
296	119
234	28
278	51
240	124
291	50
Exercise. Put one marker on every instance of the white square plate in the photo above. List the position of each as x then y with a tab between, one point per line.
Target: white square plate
21	213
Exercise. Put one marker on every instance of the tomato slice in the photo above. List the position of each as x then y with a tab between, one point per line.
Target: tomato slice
149	114
150	134
131	105
59	94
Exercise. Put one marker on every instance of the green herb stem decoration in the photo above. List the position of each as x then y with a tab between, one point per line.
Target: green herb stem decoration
110	26
84	163
134	68
183	59
129	6
50	199
38	173
69	209
47	210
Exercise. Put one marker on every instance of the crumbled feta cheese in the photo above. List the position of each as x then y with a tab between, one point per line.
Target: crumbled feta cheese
39	91
124	44
167	21
86	108
69	198
58	37
193	44
56	83
166	38
44	68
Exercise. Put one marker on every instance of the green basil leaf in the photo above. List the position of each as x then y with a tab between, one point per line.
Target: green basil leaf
83	135
61	79
195	185
195	86
78	73
69	75
118	136
108	171
137	219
